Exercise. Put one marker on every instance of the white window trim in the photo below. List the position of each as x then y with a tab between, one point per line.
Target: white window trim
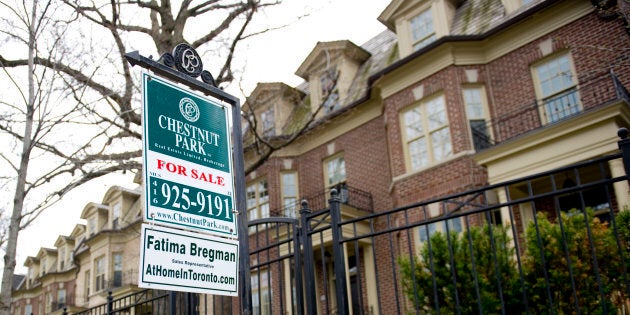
485	107
258	204
283	197
405	140
537	85
442	16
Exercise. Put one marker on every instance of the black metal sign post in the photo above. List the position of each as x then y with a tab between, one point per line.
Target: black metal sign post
184	65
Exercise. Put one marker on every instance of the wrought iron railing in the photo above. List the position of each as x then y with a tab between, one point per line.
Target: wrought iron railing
536	114
122	278
350	196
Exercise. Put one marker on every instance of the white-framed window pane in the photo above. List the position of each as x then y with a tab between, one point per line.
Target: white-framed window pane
418	153
455	225
557	88
436	113
432	228
251	196
100	274
264	210
289	194
336	171
422	31
289	184
413	123
261	293
474	104
257	197
263	193
268	122
555	76
429	140
290	207
441	142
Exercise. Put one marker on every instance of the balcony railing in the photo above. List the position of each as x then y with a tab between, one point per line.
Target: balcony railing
536	114
350	196
122	278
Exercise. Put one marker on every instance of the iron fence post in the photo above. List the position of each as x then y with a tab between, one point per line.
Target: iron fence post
173	306
310	300
110	303
339	260
624	146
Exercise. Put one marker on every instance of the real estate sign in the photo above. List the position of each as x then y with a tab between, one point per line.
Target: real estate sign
187	159
178	260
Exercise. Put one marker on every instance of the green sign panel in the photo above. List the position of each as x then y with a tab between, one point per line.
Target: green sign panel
187	159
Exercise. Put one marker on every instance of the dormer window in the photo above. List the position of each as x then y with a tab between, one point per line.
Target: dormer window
329	91
422	30
268	122
330	69
42	268
91	226
62	258
116	216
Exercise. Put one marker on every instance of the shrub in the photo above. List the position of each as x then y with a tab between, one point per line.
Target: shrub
492	278
562	259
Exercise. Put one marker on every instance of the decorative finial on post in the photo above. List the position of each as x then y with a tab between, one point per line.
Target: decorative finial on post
333	193
186	60
304	207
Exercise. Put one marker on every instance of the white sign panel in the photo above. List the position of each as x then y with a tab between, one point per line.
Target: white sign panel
177	260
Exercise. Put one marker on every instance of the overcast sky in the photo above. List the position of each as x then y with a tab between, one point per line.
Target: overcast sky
271	57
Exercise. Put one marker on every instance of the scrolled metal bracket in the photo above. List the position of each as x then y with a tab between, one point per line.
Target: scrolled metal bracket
186	60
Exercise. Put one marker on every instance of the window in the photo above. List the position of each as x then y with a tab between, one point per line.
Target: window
261	293
557	88
454	225
475	102
87	285
426	133
117	262
335	176
268	124
116	216
422	30
329	91
257	200
61	298
99	277
91	226
28	309
42	267
49	302
62	259
289	194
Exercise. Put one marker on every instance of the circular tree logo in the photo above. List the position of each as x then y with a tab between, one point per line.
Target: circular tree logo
189	109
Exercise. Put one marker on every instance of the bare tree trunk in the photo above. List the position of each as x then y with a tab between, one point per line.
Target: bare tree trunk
18	198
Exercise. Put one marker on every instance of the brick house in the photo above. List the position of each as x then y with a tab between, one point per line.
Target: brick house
94	259
453	96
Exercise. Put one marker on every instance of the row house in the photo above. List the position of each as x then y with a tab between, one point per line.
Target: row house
96	258
454	95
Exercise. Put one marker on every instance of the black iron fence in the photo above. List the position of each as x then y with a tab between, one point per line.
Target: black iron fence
556	242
